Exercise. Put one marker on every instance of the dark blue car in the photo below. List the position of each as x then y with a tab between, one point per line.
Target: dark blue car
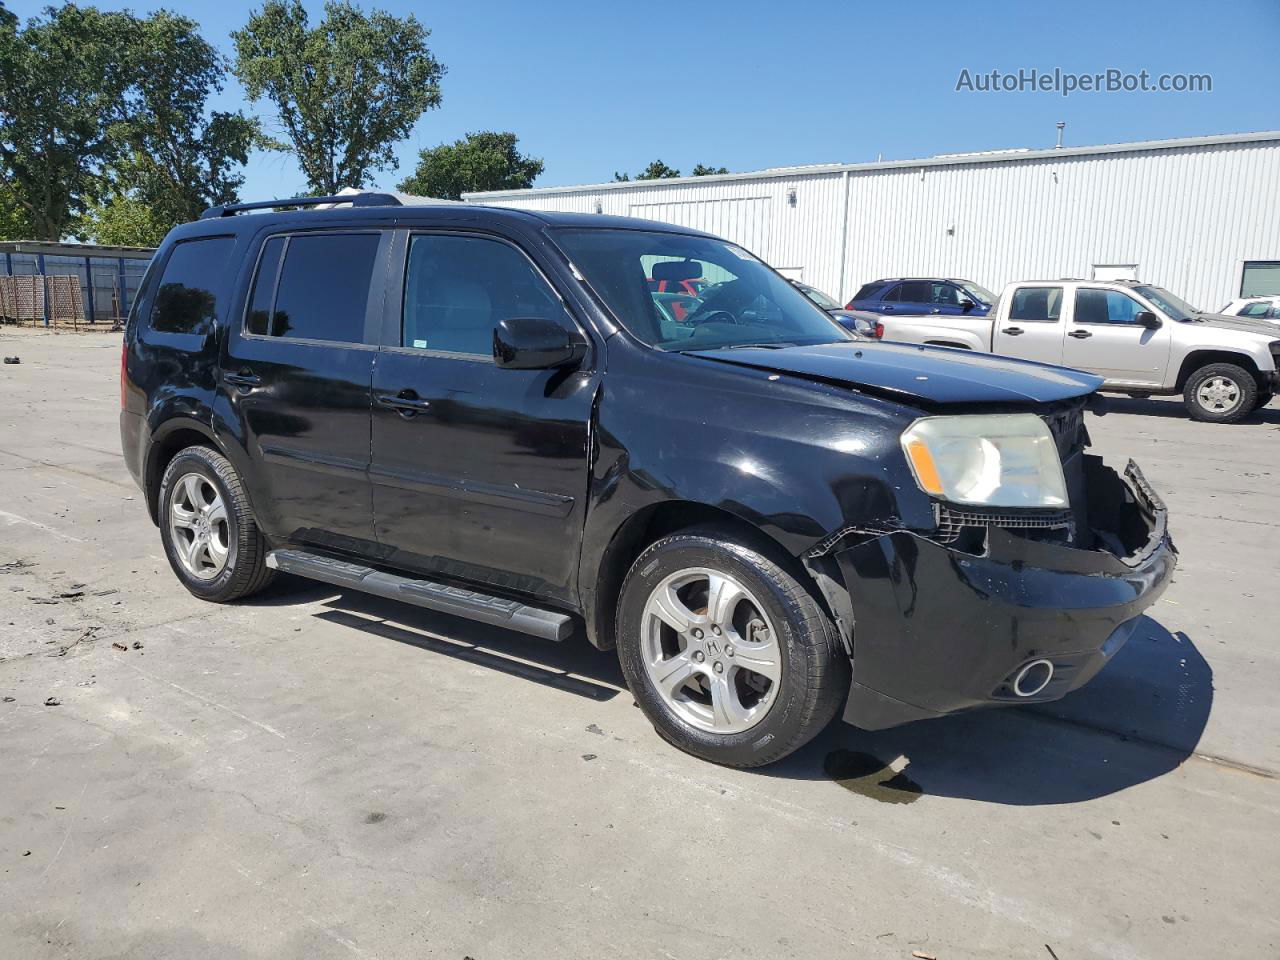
903	296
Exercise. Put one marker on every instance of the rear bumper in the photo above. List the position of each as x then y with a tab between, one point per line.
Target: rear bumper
938	630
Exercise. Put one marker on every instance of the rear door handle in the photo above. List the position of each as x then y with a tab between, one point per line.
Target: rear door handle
245	378
1080	334
406	402
1013	331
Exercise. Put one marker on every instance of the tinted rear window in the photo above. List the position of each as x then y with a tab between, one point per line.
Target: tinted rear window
868	290
194	280
324	287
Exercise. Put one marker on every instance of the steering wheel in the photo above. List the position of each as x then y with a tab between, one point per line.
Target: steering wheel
711	316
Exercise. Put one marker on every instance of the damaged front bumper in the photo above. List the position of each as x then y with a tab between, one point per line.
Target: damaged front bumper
937	628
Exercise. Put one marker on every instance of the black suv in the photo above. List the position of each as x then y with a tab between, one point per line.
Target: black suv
482	411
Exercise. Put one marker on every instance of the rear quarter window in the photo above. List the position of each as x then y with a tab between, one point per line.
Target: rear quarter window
192	287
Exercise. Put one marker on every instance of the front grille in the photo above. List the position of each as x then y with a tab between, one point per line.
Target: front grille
952	522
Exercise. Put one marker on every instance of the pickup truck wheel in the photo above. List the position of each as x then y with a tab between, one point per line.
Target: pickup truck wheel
208	531
1220	393
727	654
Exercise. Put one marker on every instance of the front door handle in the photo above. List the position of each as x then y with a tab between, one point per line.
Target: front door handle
244	378
1080	334
407	402
1013	331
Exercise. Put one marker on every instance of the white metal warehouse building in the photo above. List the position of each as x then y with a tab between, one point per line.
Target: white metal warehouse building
1200	216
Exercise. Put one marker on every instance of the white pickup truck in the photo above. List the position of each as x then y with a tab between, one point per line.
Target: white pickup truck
1140	338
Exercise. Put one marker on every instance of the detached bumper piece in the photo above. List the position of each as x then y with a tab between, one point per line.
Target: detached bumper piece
499	611
1015	616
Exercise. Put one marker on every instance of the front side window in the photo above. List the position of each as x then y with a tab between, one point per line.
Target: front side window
193	281
1037	304
945	294
1253	310
322	290
457	289
1106	306
742	303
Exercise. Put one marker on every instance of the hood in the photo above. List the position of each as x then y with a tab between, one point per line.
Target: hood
1267	328
929	375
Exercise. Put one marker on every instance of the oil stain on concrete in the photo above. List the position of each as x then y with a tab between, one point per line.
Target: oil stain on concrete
870	776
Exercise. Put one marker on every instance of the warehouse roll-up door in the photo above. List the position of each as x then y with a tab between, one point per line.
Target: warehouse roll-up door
744	220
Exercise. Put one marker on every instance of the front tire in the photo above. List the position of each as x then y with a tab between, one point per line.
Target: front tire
208	531
727	653
1220	393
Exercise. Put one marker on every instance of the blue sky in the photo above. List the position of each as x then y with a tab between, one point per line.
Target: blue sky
594	87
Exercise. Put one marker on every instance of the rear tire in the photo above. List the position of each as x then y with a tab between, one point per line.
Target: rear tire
208	531
1220	393
758	670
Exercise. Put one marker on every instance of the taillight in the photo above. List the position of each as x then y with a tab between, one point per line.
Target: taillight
124	356
879	330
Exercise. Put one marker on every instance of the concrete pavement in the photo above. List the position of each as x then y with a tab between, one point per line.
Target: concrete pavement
319	774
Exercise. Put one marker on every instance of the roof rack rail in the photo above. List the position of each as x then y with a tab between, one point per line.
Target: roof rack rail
355	199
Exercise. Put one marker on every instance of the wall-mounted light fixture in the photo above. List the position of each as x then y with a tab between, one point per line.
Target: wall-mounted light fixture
599	207
791	196
951	230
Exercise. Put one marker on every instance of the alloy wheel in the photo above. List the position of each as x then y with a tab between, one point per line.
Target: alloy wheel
711	651
1219	394
198	526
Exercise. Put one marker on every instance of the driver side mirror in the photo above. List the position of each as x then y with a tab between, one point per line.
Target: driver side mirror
1145	318
966	305
536	343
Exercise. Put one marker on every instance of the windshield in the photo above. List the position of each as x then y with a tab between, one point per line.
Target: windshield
978	293
818	297
1175	307
739	301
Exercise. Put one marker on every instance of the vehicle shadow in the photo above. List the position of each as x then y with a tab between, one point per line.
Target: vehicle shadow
1140	718
573	666
1172	408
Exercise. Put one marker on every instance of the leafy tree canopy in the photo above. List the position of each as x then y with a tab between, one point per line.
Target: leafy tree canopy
345	91
657	170
62	80
122	219
702	170
479	161
14	222
180	160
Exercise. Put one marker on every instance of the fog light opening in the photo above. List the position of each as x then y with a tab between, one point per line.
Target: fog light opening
1033	678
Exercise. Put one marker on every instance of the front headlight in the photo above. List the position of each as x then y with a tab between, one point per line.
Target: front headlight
1001	460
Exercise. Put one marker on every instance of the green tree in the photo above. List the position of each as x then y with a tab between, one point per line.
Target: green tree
62	80
346	91
180	159
14	222
125	220
702	170
657	170
480	161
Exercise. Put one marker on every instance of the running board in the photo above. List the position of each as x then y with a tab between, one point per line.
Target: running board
547	624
